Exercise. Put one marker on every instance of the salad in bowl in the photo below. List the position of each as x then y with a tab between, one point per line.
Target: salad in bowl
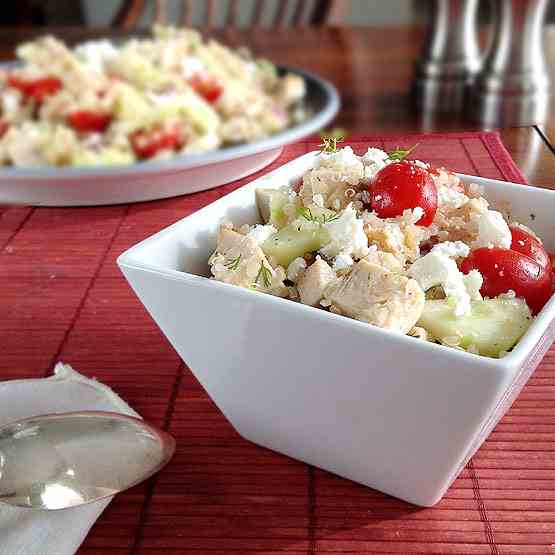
395	243
143	99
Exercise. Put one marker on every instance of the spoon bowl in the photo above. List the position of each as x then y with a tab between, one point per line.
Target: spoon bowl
57	461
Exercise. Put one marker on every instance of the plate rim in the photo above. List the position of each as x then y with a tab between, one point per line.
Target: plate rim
320	119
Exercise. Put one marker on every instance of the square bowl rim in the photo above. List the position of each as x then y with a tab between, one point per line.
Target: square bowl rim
511	361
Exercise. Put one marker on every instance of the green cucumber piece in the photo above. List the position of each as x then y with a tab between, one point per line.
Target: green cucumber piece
493	325
270	204
295	240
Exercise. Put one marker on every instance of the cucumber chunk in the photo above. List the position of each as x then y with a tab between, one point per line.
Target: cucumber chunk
270	204
493	325
295	240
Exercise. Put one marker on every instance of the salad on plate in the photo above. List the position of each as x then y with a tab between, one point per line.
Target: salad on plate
394	243
143	99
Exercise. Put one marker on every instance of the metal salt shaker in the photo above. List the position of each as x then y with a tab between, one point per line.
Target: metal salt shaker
513	86
450	58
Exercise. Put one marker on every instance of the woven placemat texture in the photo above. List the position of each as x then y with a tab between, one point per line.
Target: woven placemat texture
63	298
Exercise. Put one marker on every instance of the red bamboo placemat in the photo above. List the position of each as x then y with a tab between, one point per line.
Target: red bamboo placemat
62	298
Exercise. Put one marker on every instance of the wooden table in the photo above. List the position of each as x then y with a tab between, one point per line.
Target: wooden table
372	68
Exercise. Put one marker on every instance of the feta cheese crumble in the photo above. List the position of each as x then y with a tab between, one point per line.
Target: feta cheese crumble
452	249
347	235
343	158
473	282
296	268
422	165
438	267
493	231
374	156
417	214
374	160
450	198
342	262
318	200
262	232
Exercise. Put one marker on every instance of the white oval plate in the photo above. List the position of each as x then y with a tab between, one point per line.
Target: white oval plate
100	185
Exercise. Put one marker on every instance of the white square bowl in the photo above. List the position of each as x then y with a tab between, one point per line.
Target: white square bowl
389	411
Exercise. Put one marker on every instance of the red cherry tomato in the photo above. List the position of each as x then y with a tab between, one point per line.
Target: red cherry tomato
89	121
527	244
147	142
207	86
4	126
504	269
401	186
38	89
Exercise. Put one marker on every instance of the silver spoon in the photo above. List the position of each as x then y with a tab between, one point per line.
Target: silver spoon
57	461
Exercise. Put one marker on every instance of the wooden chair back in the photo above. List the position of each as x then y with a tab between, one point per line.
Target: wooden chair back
295	13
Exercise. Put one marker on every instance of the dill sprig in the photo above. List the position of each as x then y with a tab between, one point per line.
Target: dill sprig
329	144
337	132
265	275
234	264
327	218
399	154
307	214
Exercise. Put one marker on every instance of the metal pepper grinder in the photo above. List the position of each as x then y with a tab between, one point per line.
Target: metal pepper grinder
450	58
513	87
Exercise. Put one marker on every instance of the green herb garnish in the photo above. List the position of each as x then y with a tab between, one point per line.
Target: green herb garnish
336	132
265	275
329	144
327	218
307	214
399	154
234	264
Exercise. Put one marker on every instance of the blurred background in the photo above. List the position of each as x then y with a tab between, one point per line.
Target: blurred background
100	13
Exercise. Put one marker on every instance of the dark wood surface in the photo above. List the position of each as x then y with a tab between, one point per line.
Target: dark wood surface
372	68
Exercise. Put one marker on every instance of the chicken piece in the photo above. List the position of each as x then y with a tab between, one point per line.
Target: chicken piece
324	183
263	201
334	178
462	223
240	261
421	333
384	259
373	294
313	282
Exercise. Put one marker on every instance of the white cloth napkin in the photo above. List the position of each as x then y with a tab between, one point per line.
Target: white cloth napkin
30	532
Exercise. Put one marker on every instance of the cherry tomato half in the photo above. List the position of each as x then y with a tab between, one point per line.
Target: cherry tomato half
207	86
4	126
504	269
38	89
89	121
527	244
148	142
401	186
